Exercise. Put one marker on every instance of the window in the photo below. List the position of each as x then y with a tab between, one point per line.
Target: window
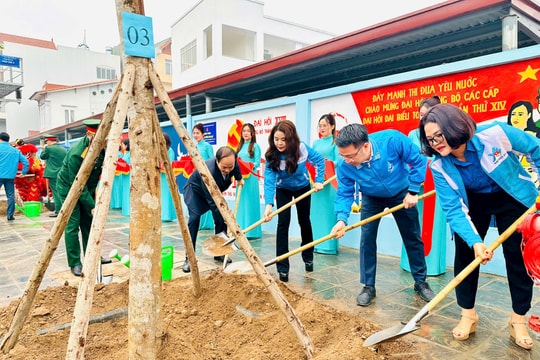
276	46
69	115
188	56
105	73
238	43
168	67
207	34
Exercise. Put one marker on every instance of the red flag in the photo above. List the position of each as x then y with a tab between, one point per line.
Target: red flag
246	168
183	166
122	167
428	213
235	134
329	171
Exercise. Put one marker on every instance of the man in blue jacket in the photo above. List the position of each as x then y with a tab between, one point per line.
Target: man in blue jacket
10	158
388	169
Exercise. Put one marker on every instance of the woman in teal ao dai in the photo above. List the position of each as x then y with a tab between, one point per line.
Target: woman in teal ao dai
207	152
168	212
116	192
249	207
322	202
126	178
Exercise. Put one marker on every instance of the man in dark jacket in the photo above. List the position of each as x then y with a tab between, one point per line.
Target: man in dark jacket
81	217
53	154
198	200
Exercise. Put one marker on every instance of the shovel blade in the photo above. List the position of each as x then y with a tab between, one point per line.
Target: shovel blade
390	333
213	246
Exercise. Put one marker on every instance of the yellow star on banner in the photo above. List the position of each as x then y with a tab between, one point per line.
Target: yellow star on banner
529	73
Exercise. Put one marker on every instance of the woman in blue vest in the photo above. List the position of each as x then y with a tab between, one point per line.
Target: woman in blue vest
286	177
477	175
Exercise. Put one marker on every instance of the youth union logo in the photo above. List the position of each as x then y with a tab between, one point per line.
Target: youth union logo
496	154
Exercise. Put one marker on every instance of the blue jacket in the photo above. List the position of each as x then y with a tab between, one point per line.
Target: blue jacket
396	164
498	146
10	158
283	180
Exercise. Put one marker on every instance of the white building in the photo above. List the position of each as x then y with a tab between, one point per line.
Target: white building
59	104
44	62
212	38
217	36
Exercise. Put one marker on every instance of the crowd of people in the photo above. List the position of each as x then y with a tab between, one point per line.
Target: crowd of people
478	172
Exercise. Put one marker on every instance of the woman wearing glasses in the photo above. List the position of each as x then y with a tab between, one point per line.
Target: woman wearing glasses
477	174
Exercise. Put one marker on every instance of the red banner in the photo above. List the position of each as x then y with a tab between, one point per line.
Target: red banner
485	94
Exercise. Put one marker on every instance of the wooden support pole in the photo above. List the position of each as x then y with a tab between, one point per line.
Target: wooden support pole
32	286
251	255
92	258
188	244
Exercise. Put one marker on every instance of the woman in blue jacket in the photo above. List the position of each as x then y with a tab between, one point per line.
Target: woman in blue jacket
286	177
477	174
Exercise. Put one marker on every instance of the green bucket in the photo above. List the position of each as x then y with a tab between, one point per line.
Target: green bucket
167	256
31	208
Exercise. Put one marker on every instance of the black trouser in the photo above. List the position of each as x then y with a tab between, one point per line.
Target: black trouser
506	210
284	196
198	205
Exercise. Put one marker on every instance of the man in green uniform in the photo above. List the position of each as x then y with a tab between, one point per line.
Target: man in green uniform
53	154
81	218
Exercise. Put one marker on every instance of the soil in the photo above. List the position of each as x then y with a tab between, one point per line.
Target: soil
235	318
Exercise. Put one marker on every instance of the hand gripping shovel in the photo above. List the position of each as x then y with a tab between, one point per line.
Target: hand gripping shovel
331	236
218	245
347	228
412	325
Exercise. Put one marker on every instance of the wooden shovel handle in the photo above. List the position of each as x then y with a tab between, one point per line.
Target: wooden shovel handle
347	228
290	203
476	262
284	207
238	193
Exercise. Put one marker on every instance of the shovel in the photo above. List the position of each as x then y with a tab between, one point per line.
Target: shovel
331	236
347	228
412	325
238	193
212	244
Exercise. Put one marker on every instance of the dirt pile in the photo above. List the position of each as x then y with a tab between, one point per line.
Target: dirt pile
235	318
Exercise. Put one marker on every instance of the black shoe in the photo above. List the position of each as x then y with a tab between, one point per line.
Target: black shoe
365	297
222	259
309	266
53	215
185	267
77	270
105	261
425	292
11	218
283	277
